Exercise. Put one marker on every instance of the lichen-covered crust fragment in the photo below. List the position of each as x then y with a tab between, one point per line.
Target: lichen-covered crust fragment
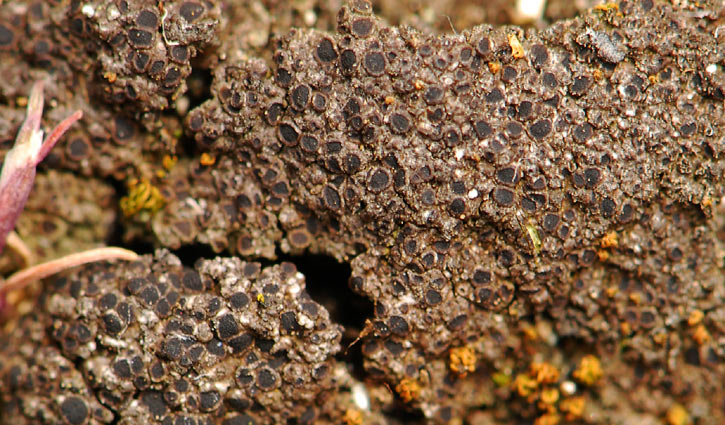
121	62
477	178
136	54
155	342
104	143
42	385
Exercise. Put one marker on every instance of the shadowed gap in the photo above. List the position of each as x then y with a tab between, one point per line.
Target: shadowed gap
327	284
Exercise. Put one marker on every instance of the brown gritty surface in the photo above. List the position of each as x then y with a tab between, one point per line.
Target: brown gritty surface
535	214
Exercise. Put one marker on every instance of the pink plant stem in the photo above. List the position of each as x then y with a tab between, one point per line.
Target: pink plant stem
57	133
41	271
18	170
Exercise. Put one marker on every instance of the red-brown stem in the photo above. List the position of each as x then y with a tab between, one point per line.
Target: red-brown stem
41	271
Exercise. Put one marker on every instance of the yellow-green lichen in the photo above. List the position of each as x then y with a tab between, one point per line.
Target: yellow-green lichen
143	199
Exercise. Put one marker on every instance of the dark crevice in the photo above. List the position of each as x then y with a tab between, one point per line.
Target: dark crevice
402	414
327	283
190	254
198	91
140	247
115	237
198	83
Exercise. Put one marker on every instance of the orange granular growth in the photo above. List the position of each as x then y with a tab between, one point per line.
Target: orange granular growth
462	360
544	373
206	159
610	240
353	417
408	390
589	370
